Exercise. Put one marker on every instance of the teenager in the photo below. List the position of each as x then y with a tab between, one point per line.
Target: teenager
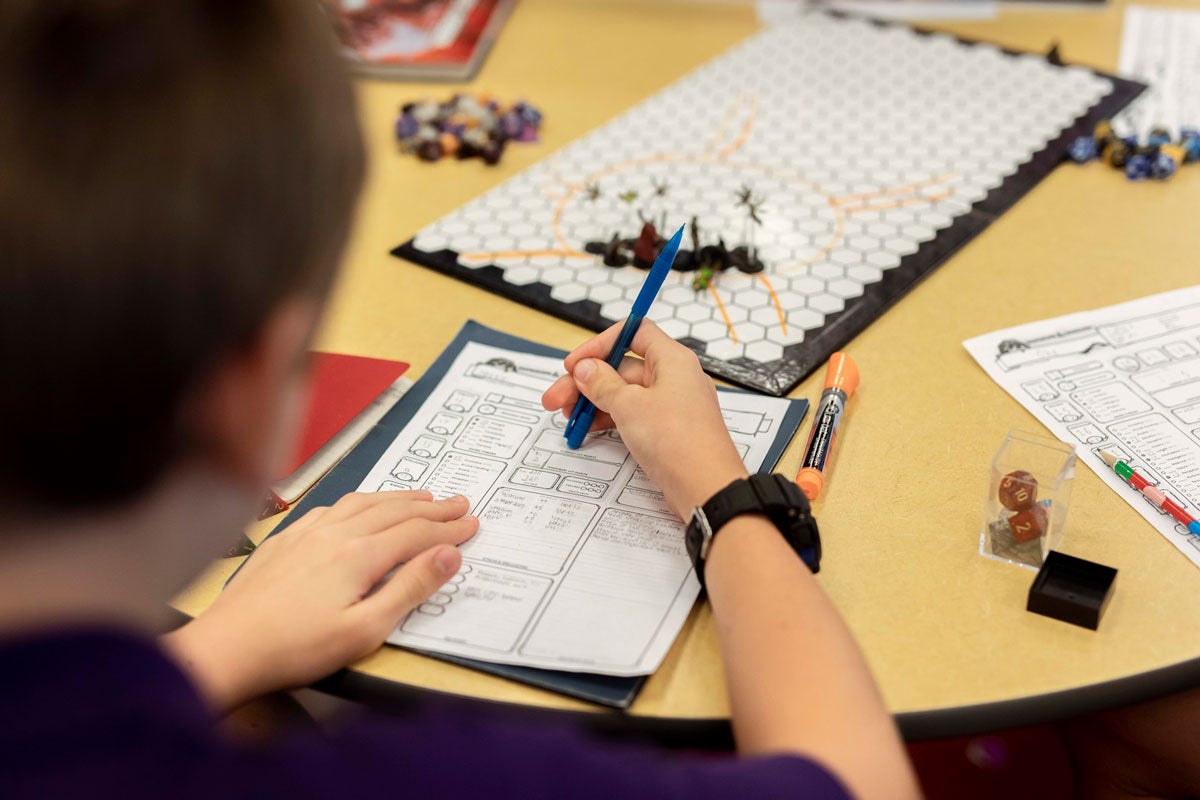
177	180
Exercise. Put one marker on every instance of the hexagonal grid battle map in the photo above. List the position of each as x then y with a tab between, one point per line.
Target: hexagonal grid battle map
828	164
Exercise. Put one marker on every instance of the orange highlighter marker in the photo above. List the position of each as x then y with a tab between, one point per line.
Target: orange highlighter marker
841	379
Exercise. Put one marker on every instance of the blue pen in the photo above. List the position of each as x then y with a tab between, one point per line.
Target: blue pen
584	412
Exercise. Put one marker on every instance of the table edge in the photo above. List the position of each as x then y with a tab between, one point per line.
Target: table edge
715	733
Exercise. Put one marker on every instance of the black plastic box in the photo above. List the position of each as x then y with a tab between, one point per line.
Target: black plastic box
1072	589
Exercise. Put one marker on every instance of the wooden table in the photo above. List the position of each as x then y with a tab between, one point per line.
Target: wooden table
945	630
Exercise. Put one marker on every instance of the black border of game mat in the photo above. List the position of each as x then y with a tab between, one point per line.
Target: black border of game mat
715	733
799	360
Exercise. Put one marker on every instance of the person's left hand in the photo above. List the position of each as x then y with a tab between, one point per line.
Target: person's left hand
303	605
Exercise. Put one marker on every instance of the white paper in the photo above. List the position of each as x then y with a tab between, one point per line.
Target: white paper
578	564
1125	379
1161	47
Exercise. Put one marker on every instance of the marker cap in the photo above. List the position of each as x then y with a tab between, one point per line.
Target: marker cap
842	373
810	482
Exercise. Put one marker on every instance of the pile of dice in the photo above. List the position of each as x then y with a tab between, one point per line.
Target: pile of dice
1157	158
1018	492
465	126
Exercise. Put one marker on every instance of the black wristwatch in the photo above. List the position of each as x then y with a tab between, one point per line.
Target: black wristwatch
773	496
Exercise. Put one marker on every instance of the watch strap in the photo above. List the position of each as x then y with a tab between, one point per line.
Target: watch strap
771	495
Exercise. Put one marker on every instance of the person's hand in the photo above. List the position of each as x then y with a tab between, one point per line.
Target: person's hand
664	407
303	605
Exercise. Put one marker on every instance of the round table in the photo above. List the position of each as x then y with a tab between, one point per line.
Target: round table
945	630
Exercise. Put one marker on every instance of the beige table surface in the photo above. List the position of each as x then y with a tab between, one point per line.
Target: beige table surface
942	627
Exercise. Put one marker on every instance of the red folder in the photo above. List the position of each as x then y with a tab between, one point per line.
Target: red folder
339	387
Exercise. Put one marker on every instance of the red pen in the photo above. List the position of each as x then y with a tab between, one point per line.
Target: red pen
1150	491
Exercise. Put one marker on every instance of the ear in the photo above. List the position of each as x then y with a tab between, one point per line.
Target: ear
249	407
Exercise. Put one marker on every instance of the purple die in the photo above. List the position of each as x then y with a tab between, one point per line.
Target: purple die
406	126
1083	150
1138	167
511	125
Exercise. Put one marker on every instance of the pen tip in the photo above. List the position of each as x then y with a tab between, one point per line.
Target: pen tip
1107	457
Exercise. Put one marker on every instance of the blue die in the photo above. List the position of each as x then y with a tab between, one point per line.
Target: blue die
1189	140
1083	150
530	114
1162	167
1137	168
1158	137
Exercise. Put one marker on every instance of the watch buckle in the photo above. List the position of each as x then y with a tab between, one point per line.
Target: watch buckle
706	532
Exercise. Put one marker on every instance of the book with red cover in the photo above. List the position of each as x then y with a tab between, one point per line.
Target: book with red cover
339	387
346	396
418	40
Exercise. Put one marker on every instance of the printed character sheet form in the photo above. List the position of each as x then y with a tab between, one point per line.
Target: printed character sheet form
578	564
1124	379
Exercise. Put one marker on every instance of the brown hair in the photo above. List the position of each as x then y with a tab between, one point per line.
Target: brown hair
169	172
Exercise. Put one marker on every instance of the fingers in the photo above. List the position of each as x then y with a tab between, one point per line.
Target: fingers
601	384
412	584
648	334
406	541
564	392
390	512
597	347
660	351
355	503
601	345
649	342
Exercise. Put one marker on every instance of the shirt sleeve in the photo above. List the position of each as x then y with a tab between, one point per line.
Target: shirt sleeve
473	756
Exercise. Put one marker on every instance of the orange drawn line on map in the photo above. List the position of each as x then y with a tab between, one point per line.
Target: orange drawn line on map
727	122
724	315
711	155
774	299
744	134
575	188
905	189
911	201
564	252
838	232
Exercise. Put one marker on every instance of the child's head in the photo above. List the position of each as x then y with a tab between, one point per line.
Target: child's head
172	174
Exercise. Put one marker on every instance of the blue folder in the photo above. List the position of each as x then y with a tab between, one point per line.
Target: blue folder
617	692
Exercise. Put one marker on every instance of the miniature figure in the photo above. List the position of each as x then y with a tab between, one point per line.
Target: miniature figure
707	261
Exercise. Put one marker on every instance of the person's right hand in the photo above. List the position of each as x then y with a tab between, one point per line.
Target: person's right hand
664	407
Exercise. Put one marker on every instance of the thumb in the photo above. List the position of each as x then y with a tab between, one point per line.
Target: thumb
598	382
412	584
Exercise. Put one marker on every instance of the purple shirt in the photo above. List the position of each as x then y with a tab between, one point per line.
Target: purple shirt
105	714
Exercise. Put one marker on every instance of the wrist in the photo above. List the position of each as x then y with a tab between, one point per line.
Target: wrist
699	487
216	668
772	499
